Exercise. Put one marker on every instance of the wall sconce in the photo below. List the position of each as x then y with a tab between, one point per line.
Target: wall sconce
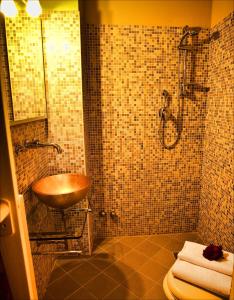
9	9
33	8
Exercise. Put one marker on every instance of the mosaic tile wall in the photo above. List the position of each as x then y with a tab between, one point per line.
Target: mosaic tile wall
5	68
64	89
61	34
26	66
152	190
217	198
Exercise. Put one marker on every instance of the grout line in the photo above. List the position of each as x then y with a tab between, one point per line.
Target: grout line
51	296
164	265
100	272
82	286
111	291
65	272
50	283
85	284
118	287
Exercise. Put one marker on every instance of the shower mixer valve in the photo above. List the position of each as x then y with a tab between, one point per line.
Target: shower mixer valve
113	215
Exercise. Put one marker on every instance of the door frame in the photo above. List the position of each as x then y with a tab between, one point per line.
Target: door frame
15	248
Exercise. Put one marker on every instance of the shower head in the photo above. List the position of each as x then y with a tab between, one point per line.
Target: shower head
192	32
184	38
188	31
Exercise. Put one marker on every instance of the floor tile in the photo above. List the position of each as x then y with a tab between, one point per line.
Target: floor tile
69	264
120	268
156	293
82	294
134	259
100	250
153	270
138	284
101	244
101	285
117	249
133	241
104	242
174	245
148	248
56	273
63	287
187	236
48	296
164	257
160	281
119	271
159	239
101	262
174	236
121	293
84	273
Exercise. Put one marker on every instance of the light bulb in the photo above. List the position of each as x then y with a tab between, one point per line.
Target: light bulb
33	8
8	8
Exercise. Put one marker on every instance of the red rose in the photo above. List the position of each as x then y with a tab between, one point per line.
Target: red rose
213	252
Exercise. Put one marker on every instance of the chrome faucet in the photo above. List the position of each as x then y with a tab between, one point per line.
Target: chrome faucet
37	144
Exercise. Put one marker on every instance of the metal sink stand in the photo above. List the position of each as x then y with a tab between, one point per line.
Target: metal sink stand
58	237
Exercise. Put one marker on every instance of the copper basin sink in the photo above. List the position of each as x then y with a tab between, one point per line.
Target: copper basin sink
63	190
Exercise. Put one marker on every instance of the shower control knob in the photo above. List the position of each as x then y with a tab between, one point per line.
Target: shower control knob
102	213
113	215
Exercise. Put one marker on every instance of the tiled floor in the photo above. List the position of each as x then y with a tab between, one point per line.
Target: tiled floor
120	268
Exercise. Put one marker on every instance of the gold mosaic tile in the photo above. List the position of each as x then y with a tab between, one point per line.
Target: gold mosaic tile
25	58
216	222
152	190
64	89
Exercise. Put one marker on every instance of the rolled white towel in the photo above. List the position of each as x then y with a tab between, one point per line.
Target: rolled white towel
205	278
193	253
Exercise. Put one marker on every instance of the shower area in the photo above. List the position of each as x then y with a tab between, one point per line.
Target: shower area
145	105
145	110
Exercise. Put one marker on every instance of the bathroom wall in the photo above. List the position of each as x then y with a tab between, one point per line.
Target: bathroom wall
147	12
63	126
62	48
220	9
64	90
216	204
152	190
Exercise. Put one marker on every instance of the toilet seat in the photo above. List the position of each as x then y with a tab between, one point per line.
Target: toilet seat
175	288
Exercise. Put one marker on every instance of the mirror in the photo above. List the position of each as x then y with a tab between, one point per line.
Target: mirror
25	57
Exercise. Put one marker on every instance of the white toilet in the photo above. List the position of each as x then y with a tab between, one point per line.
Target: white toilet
176	289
